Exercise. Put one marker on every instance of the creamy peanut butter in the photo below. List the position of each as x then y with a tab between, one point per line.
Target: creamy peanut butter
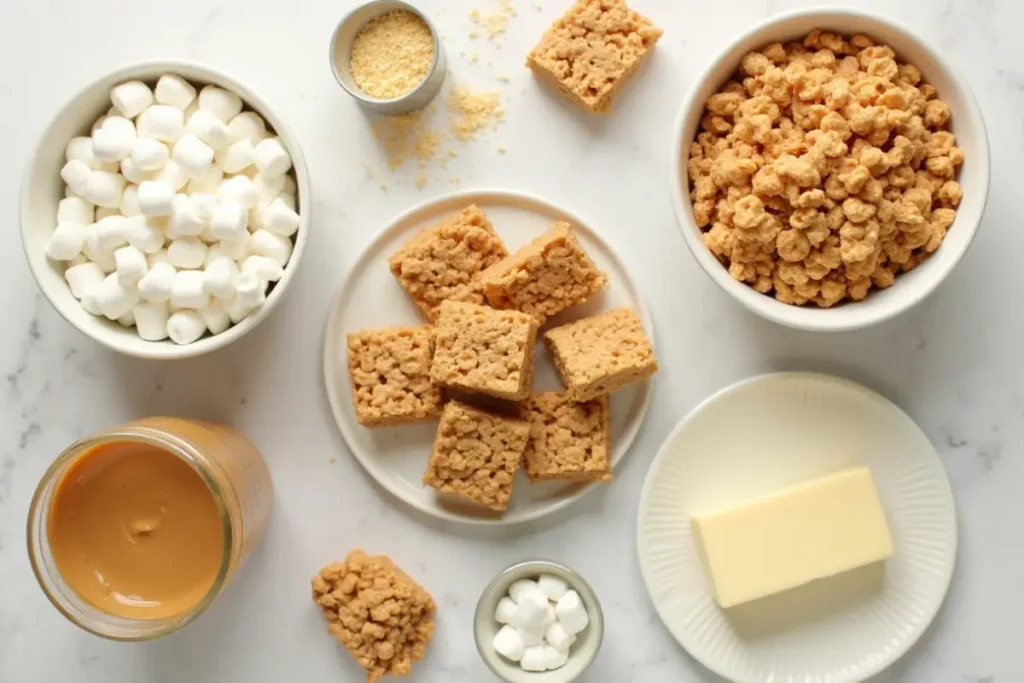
135	531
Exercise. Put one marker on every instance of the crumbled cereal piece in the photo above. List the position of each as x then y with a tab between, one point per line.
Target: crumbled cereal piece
568	440
476	455
381	616
390	374
818	169
602	354
443	261
592	50
545	277
483	350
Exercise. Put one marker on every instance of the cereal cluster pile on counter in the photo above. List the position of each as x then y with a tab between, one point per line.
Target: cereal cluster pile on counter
824	169
487	307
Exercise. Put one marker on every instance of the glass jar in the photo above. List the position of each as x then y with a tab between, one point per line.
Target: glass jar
233	471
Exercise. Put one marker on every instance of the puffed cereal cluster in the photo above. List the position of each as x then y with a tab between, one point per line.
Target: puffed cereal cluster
824	168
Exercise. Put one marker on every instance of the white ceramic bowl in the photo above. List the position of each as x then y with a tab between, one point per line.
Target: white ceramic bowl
42	188
582	652
967	125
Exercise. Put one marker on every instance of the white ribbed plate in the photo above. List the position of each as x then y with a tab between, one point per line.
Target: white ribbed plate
763	434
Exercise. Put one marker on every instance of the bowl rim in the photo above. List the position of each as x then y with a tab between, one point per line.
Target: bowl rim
577	583
166	349
767	307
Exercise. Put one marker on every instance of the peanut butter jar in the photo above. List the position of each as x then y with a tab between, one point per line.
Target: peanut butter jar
135	531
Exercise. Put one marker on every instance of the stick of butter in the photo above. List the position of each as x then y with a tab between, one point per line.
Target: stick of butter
806	532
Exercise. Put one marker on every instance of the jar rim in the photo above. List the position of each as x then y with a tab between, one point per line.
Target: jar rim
141	434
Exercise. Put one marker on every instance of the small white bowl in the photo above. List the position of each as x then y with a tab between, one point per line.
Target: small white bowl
42	188
582	652
967	124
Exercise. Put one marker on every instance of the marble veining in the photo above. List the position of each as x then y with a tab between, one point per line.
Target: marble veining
953	363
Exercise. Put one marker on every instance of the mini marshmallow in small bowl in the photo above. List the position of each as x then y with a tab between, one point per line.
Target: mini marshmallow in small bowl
538	622
146	224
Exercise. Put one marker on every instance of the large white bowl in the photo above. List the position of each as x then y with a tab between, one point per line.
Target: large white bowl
967	125
42	188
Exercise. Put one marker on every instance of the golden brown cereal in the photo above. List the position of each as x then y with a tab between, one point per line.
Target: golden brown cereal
592	50
380	615
823	168
392	55
476	455
569	441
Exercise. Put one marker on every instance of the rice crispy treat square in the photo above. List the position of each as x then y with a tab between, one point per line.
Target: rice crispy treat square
390	374
476	455
483	350
441	262
592	50
601	354
545	277
377	612
568	440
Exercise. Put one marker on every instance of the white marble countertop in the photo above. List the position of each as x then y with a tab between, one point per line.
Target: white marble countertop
953	363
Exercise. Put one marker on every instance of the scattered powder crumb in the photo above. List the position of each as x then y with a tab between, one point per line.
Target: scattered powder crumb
474	58
406	135
421	180
331	458
472	112
392	54
495	23
474	34
452	153
501	150
456	181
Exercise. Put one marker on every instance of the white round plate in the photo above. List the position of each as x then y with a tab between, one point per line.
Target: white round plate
764	434
371	297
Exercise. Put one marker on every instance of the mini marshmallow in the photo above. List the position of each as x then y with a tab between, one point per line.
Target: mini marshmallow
161	122
552	587
554	658
571	613
131	98
156	285
187	290
185	327
104	258
207	127
173	174
235	157
111	232
250	290
143	234
221	102
156	198
104	188
279	219
83	277
532	638
192	108
238	189
505	610
133	173
114	299
219	277
236	248
187	252
508	643
518	588
174	91
271	158
237	311
131	265
192	154
557	637
533	659
149	154
203	205
247	126
98	124
266	243
151	320
88	301
531	611
208	182
75	210
130	201
156	257
128	319
184	219
66	242
229	221
76	174
267	189
114	140
216	318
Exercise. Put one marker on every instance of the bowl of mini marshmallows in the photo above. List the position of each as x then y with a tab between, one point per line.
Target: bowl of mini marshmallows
165	210
538	622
